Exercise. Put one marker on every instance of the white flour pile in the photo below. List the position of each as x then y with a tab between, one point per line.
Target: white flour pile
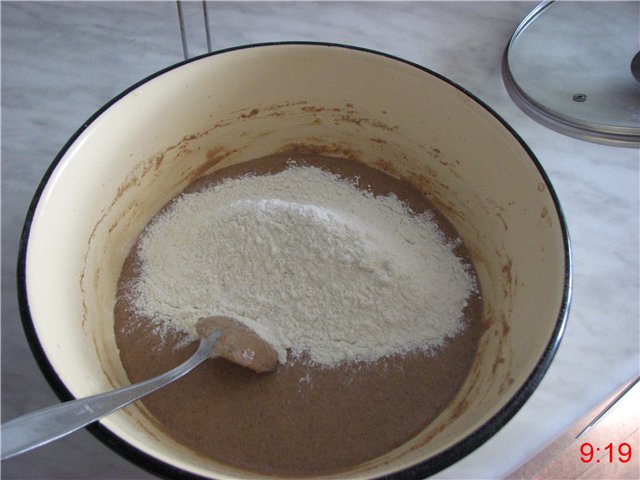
307	260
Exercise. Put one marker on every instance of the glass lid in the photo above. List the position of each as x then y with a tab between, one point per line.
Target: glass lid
575	67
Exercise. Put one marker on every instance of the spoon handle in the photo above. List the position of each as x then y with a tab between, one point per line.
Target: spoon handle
43	426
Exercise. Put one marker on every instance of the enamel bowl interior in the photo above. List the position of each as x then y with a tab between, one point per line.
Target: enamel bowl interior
149	143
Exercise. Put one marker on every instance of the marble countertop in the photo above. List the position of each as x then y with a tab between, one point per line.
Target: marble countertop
62	61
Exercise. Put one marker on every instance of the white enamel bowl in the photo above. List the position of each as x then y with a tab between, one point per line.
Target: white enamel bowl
147	144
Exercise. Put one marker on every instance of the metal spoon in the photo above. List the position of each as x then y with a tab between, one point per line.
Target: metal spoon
43	426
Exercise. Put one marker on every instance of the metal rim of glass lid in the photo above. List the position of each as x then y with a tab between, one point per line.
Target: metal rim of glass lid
572	66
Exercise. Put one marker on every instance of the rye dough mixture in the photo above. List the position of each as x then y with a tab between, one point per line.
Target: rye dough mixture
362	287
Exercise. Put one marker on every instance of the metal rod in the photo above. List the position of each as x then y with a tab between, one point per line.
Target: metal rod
626	390
183	33
206	25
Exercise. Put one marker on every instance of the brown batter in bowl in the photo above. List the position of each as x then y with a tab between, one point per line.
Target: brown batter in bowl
303	419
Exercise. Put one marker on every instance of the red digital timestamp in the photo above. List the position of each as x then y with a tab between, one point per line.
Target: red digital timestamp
622	453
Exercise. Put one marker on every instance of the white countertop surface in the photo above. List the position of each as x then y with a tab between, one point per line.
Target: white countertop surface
62	61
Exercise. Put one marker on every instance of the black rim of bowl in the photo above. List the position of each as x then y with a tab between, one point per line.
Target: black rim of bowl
425	468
